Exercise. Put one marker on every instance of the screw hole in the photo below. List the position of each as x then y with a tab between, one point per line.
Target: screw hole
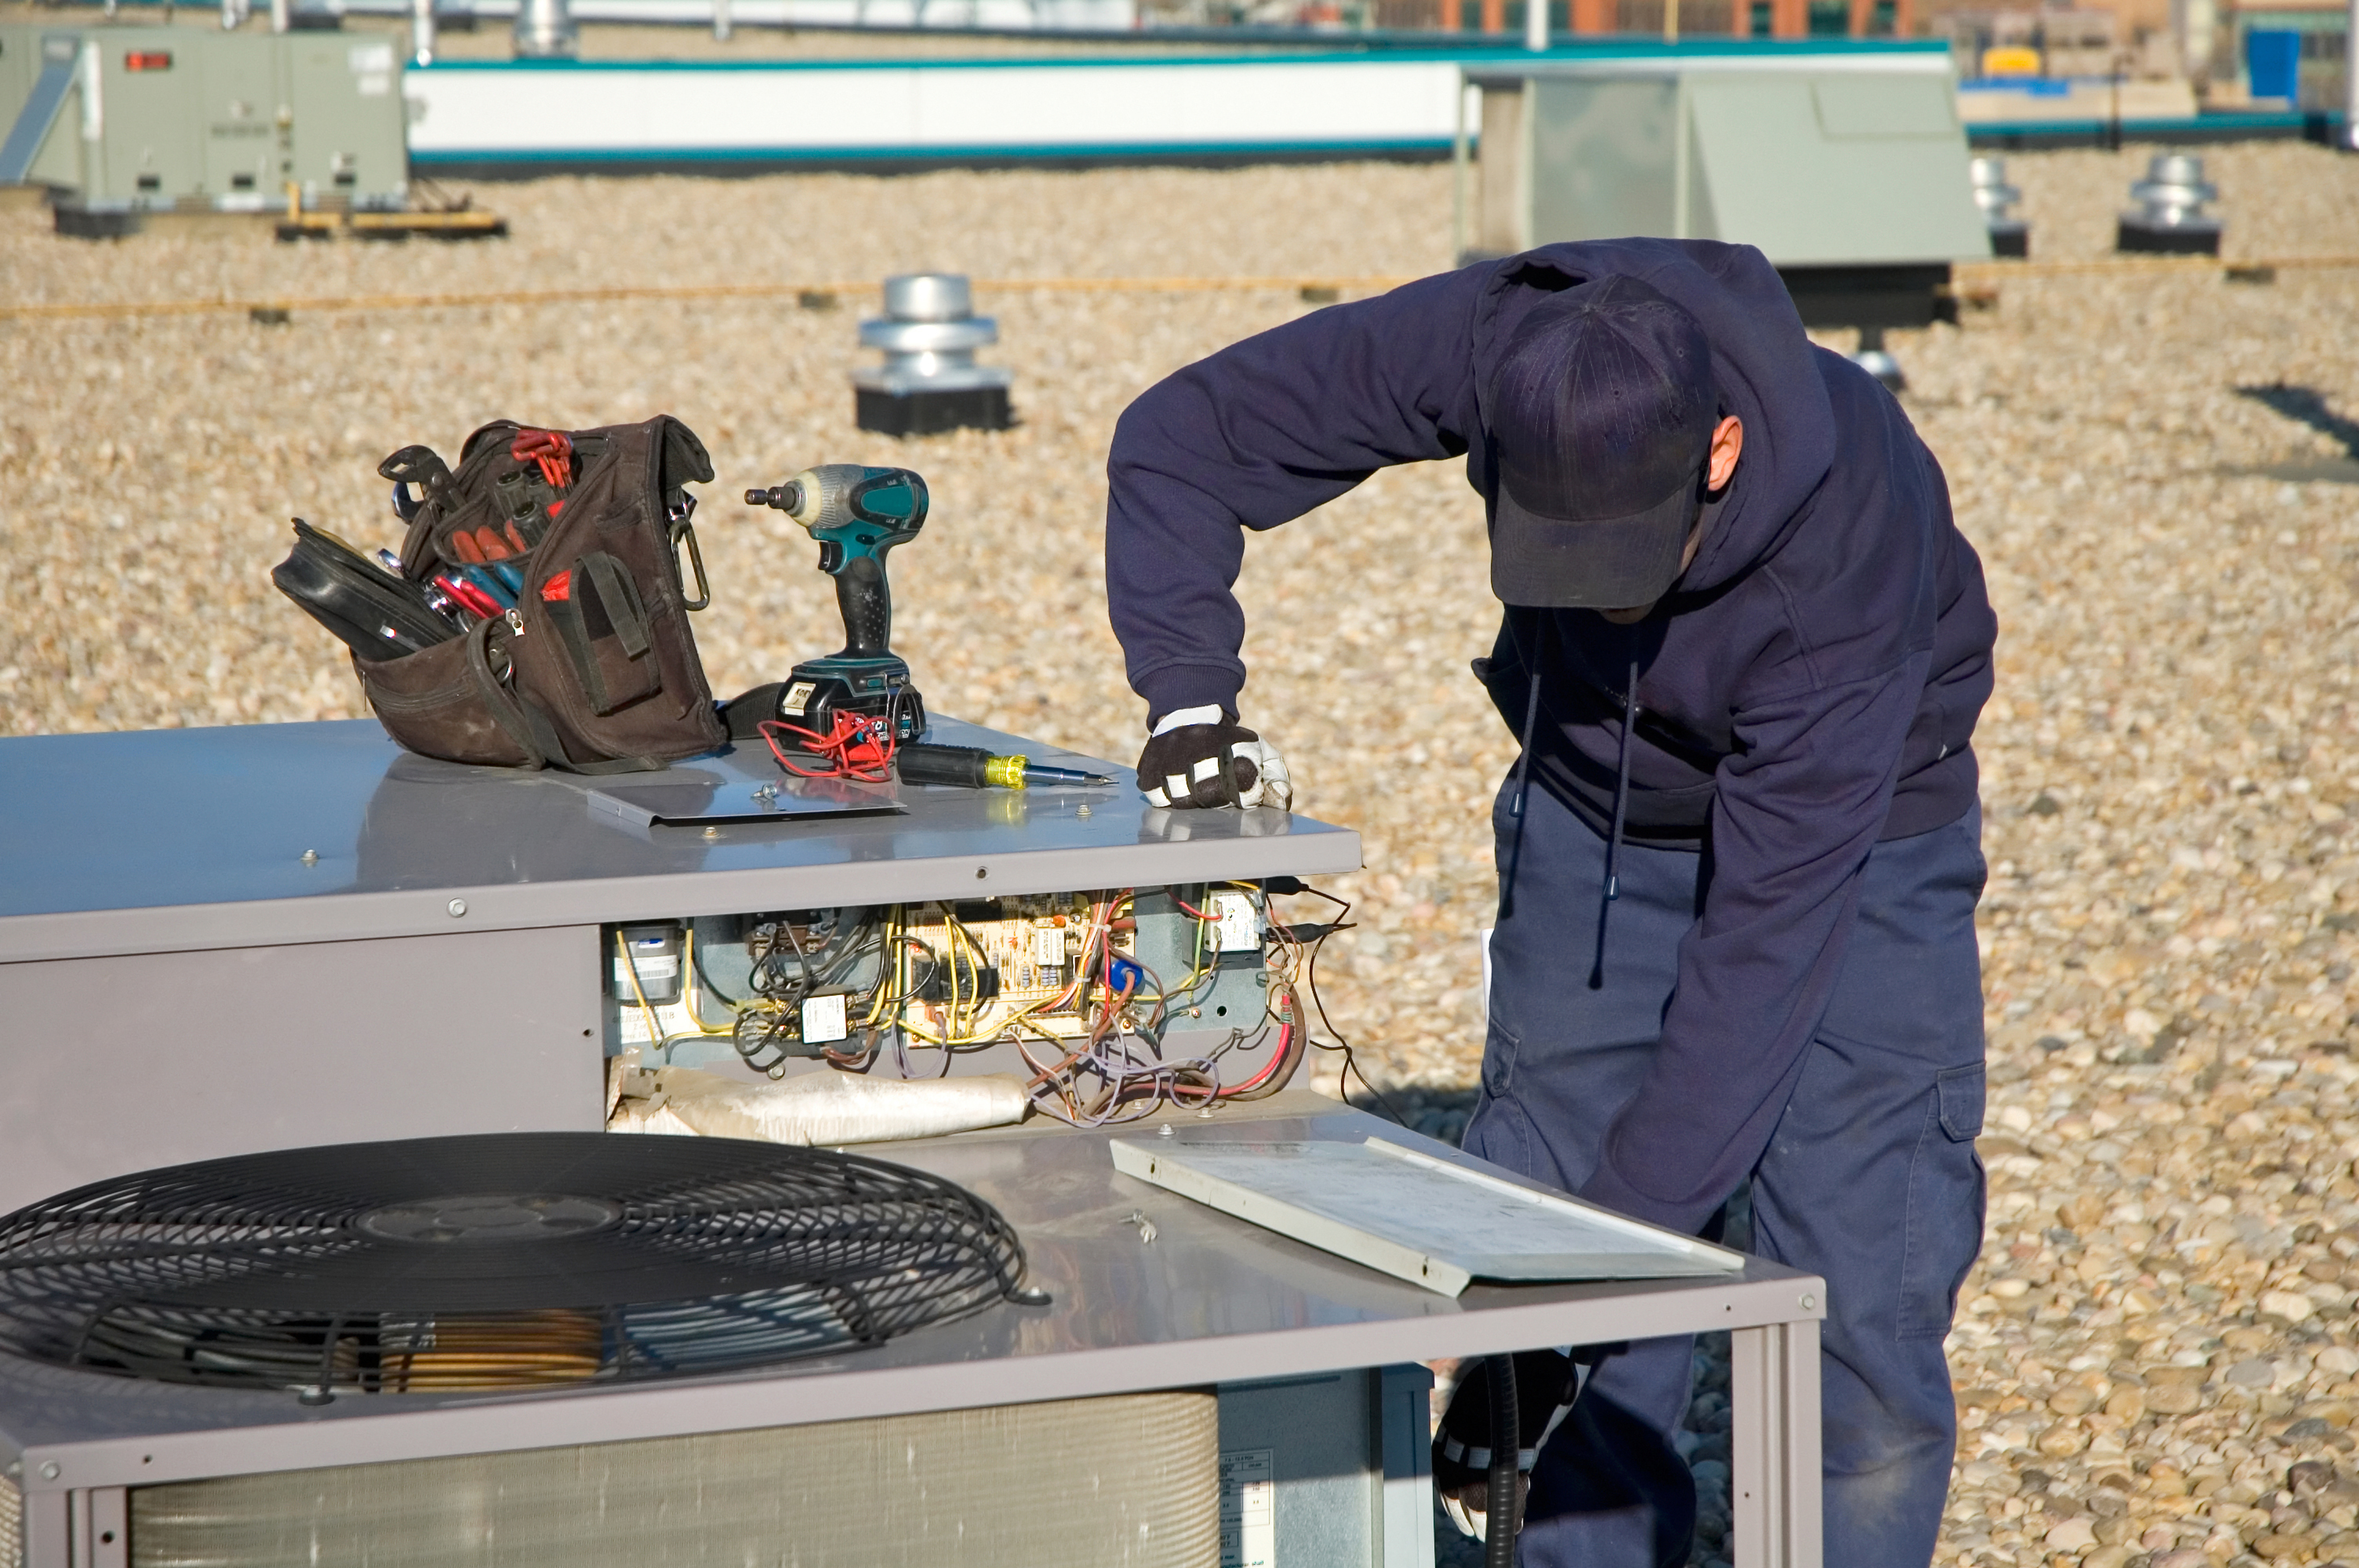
981	873
106	1537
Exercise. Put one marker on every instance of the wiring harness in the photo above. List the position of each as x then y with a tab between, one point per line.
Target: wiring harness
1093	1046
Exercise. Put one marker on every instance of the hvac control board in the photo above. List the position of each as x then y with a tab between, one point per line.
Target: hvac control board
222	941
1198	977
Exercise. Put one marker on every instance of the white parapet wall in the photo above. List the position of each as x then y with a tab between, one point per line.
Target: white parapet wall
468	115
466	112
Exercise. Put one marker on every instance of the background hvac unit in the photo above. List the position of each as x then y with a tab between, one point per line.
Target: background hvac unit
160	118
1849	173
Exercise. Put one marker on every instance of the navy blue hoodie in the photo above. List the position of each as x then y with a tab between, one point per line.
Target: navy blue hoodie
1809	688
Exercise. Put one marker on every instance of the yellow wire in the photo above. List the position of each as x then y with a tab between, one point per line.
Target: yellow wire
695	1012
631	967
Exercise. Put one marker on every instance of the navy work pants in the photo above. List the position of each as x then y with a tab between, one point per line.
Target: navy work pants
1870	1180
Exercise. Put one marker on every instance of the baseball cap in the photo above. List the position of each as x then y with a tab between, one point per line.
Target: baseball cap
1602	410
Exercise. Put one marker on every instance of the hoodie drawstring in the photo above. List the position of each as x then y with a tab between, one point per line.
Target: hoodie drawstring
1523	765
1612	888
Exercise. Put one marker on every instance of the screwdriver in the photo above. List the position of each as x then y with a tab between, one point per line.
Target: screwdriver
972	767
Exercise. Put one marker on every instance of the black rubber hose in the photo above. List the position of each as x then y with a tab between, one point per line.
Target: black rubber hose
1501	1516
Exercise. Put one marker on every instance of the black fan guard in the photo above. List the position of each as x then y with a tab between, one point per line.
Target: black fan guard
507	1260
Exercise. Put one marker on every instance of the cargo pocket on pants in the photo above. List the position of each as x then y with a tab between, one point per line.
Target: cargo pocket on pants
1944	1229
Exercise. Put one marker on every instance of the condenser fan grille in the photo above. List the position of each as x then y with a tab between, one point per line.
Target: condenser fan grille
506	1262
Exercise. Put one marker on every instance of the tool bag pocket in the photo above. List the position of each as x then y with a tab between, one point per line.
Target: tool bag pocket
432	703
595	607
554	557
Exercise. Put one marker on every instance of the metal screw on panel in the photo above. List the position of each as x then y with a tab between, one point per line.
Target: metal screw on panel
50	1470
712	833
1809	1301
311	857
1164	1130
1082	811
457	906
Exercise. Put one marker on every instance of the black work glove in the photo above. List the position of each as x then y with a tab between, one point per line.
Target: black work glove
1183	767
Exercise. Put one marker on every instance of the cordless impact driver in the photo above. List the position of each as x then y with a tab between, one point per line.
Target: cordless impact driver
857	515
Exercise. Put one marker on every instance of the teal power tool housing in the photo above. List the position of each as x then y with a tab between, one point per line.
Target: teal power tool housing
857	515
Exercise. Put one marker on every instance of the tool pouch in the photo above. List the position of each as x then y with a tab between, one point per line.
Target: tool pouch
595	668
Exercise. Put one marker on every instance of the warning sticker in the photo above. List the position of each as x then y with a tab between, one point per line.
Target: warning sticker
1248	1509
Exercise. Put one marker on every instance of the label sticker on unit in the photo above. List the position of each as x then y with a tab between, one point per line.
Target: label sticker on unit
366	57
672	1018
796	697
824	1018
657	972
1249	1509
1239	930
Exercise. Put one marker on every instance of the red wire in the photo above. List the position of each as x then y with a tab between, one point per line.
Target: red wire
857	749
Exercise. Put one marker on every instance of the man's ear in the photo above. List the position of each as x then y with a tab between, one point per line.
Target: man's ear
1727	446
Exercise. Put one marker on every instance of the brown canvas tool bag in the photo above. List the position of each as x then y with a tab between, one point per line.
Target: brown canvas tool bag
593	668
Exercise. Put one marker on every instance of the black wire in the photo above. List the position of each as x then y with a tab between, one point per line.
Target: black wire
1310	978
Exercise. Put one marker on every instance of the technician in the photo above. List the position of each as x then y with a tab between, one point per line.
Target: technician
1744	647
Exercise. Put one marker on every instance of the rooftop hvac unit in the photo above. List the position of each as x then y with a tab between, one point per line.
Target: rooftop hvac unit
142	120
484	1332
1848	171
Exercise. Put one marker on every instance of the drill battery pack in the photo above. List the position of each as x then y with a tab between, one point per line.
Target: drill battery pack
814	701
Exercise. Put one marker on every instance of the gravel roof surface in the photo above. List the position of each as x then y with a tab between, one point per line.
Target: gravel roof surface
2154	467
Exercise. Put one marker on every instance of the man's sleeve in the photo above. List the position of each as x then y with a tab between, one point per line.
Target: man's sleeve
1798	811
1255	436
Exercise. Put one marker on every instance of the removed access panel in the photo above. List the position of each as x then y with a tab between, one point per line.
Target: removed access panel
1429	1221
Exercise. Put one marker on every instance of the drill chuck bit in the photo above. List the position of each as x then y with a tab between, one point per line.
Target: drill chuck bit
786	497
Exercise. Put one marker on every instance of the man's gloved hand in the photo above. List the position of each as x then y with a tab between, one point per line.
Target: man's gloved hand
1181	765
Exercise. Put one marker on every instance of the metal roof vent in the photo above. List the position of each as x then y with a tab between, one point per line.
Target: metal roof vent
545	29
929	382
2009	235
2170	219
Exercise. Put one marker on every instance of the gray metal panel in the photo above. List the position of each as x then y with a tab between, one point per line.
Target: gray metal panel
346	93
46	96
1405	1432
117	1064
1320	1432
1845	170
237	93
179	839
1602	156
1210	1296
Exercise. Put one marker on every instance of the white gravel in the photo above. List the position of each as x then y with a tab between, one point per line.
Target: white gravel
2162	1327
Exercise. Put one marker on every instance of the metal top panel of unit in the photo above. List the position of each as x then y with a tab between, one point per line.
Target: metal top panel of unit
174	840
1210	1298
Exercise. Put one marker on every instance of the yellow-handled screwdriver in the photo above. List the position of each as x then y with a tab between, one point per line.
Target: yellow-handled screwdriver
972	767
